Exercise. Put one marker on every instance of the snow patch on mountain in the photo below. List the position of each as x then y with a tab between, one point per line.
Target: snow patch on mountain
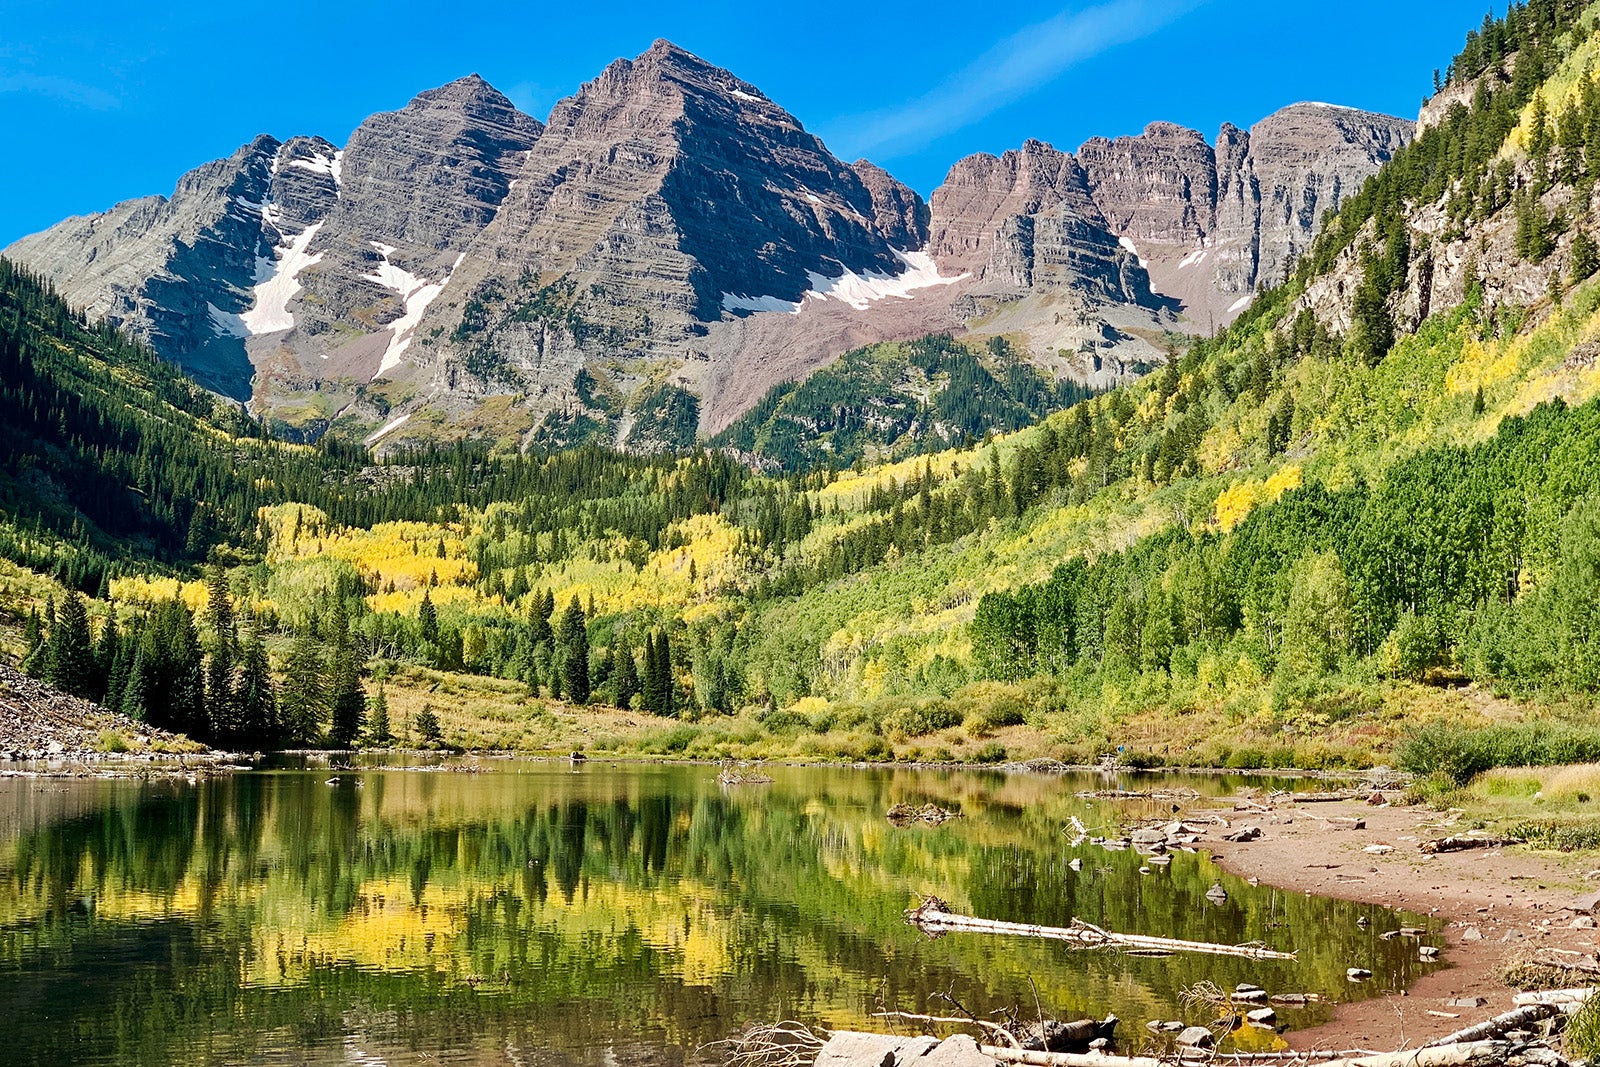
416	293
1133	250
860	291
276	283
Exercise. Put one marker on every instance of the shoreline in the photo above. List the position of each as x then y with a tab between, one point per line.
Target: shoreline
1490	903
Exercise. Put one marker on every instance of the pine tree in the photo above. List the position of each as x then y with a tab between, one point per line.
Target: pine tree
107	647
664	680
1585	257
37	663
224	648
625	677
574	640
428	619
378	732
426	725
170	670
649	685
257	704
347	700
121	665
135	702
539	619
72	659
33	643
302	700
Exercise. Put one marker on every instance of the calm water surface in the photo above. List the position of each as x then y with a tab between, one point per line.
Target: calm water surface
524	912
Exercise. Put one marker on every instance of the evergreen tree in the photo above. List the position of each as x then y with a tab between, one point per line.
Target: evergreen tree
135	702
650	695
106	650
33	643
378	731
574	641
37	662
1585	257
223	655
72	666
624	677
170	671
347	700
668	685
539	618
127	646
255	700
428	619
302	700
426	725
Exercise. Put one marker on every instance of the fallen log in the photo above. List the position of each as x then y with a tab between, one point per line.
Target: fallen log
1515	1019
934	918
1464	842
1475	1054
1322	798
1568	1000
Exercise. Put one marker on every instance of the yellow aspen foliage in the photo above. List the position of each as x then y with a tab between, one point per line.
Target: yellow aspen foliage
1235	503
1281	481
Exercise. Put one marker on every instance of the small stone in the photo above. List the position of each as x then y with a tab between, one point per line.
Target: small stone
1357	974
1472	933
1250	996
1465	1002
1261	1017
1196	1037
1076	865
1246	987
1379	850
1428	952
1172	1026
1582	922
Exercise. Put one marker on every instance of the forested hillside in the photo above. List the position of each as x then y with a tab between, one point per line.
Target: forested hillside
1369	502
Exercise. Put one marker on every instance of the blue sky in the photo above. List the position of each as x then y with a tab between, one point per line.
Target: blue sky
104	101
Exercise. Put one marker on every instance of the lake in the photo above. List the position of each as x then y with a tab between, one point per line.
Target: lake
525	912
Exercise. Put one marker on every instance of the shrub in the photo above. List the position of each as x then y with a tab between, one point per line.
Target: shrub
110	741
923	718
993	752
1459	753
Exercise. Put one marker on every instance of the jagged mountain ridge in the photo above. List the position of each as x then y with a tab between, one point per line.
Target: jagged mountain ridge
673	232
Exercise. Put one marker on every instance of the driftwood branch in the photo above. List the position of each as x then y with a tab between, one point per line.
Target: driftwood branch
1474	1054
1567	1000
1500	1024
951	1019
934	918
1462	843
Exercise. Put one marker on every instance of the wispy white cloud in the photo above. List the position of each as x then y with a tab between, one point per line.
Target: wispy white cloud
1013	68
63	89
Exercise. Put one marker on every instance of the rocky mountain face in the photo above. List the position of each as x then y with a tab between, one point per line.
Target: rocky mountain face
667	248
664	198
1204	225
292	261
